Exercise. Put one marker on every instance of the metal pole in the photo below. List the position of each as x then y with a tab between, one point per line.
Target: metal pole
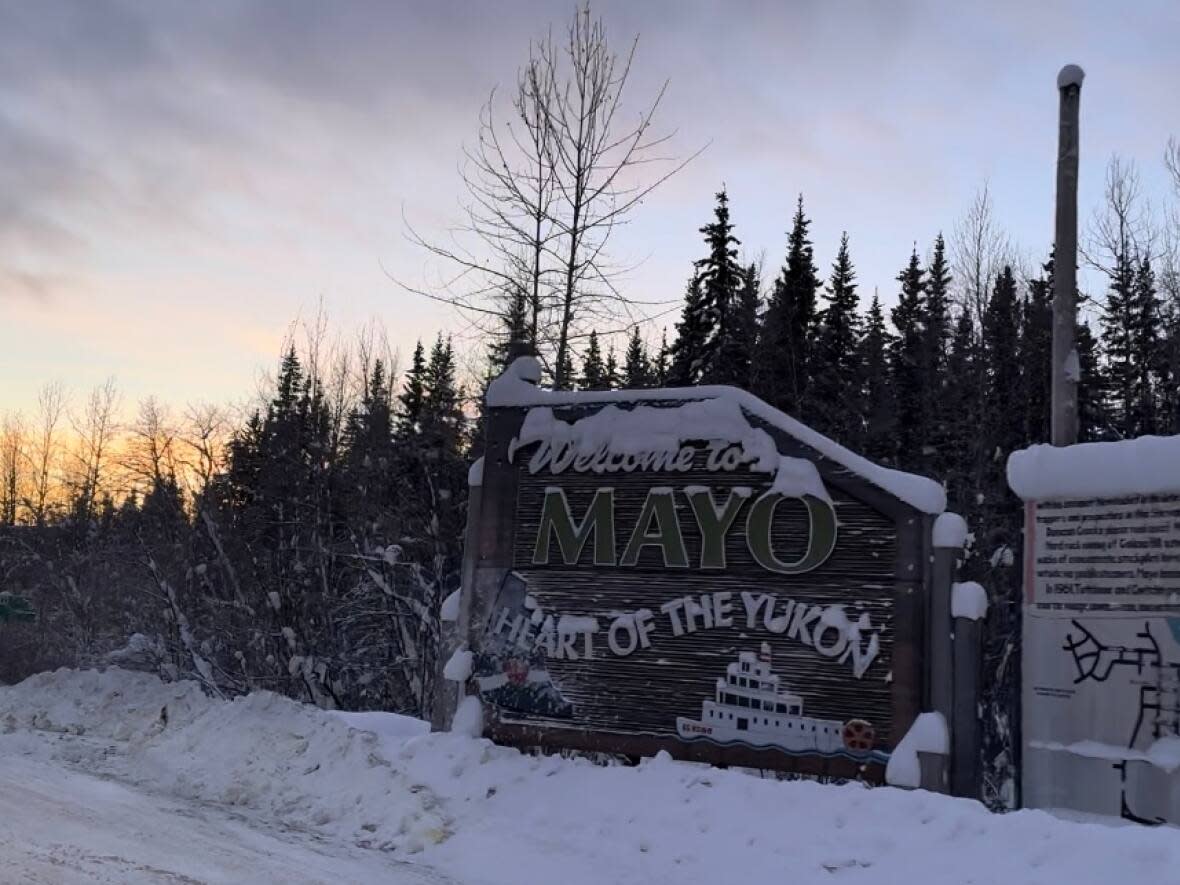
1064	422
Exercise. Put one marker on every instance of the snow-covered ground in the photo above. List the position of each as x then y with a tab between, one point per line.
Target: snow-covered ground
117	777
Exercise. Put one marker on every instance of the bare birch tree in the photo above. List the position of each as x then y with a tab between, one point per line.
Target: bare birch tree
44	451
979	251
95	430
150	455
12	457
547	187
202	439
1121	228
1170	271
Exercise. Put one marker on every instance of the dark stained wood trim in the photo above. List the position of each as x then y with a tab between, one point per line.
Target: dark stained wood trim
514	735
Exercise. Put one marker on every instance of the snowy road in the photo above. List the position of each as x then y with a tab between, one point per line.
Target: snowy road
60	825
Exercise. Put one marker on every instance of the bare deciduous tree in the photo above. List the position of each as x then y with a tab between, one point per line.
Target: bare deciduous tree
95	430
979	251
1121	229
203	438
501	250
547	188
150	455
43	452
12	456
1169	277
598	161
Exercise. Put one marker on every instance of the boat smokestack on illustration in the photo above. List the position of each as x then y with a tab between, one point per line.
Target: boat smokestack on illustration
751	707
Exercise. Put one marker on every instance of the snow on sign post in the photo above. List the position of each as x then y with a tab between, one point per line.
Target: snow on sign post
1101	695
693	571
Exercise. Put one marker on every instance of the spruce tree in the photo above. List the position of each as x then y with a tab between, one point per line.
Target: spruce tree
1093	416
661	364
412	395
442	419
514	335
963	473
563	373
594	376
722	360
906	367
637	371
877	391
936	334
1002	424
1036	356
783	373
744	331
1120	344
690	351
1169	355
1150	370
611	369
836	369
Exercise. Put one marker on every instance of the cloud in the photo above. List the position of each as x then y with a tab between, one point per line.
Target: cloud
250	156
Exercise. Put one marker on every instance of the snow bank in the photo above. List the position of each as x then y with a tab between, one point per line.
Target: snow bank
1143	466
393	725
716	413
299	765
968	600
483	814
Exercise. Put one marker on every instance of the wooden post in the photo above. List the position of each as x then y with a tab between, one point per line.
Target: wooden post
941	679
966	741
447	694
1064	422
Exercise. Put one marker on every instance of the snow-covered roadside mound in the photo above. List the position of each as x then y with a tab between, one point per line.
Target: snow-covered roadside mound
293	763
486	814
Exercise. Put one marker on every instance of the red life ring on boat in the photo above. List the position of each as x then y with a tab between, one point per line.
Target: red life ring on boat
517	671
858	735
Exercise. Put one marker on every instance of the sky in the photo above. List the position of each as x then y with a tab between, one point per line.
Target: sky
181	182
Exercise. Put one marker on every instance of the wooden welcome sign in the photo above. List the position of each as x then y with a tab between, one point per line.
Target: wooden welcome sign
693	571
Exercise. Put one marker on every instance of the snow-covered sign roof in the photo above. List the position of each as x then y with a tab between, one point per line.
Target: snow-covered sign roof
1143	466
517	387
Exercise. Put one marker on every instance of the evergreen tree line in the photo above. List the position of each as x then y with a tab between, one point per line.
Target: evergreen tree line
923	387
312	560
311	555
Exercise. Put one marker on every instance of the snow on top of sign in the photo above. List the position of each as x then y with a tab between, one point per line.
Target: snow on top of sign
711	413
1143	466
798	477
968	600
928	734
950	530
1164	753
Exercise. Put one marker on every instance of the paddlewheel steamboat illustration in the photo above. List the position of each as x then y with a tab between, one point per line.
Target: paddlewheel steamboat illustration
751	707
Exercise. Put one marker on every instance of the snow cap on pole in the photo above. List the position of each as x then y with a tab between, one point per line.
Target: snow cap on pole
1070	75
